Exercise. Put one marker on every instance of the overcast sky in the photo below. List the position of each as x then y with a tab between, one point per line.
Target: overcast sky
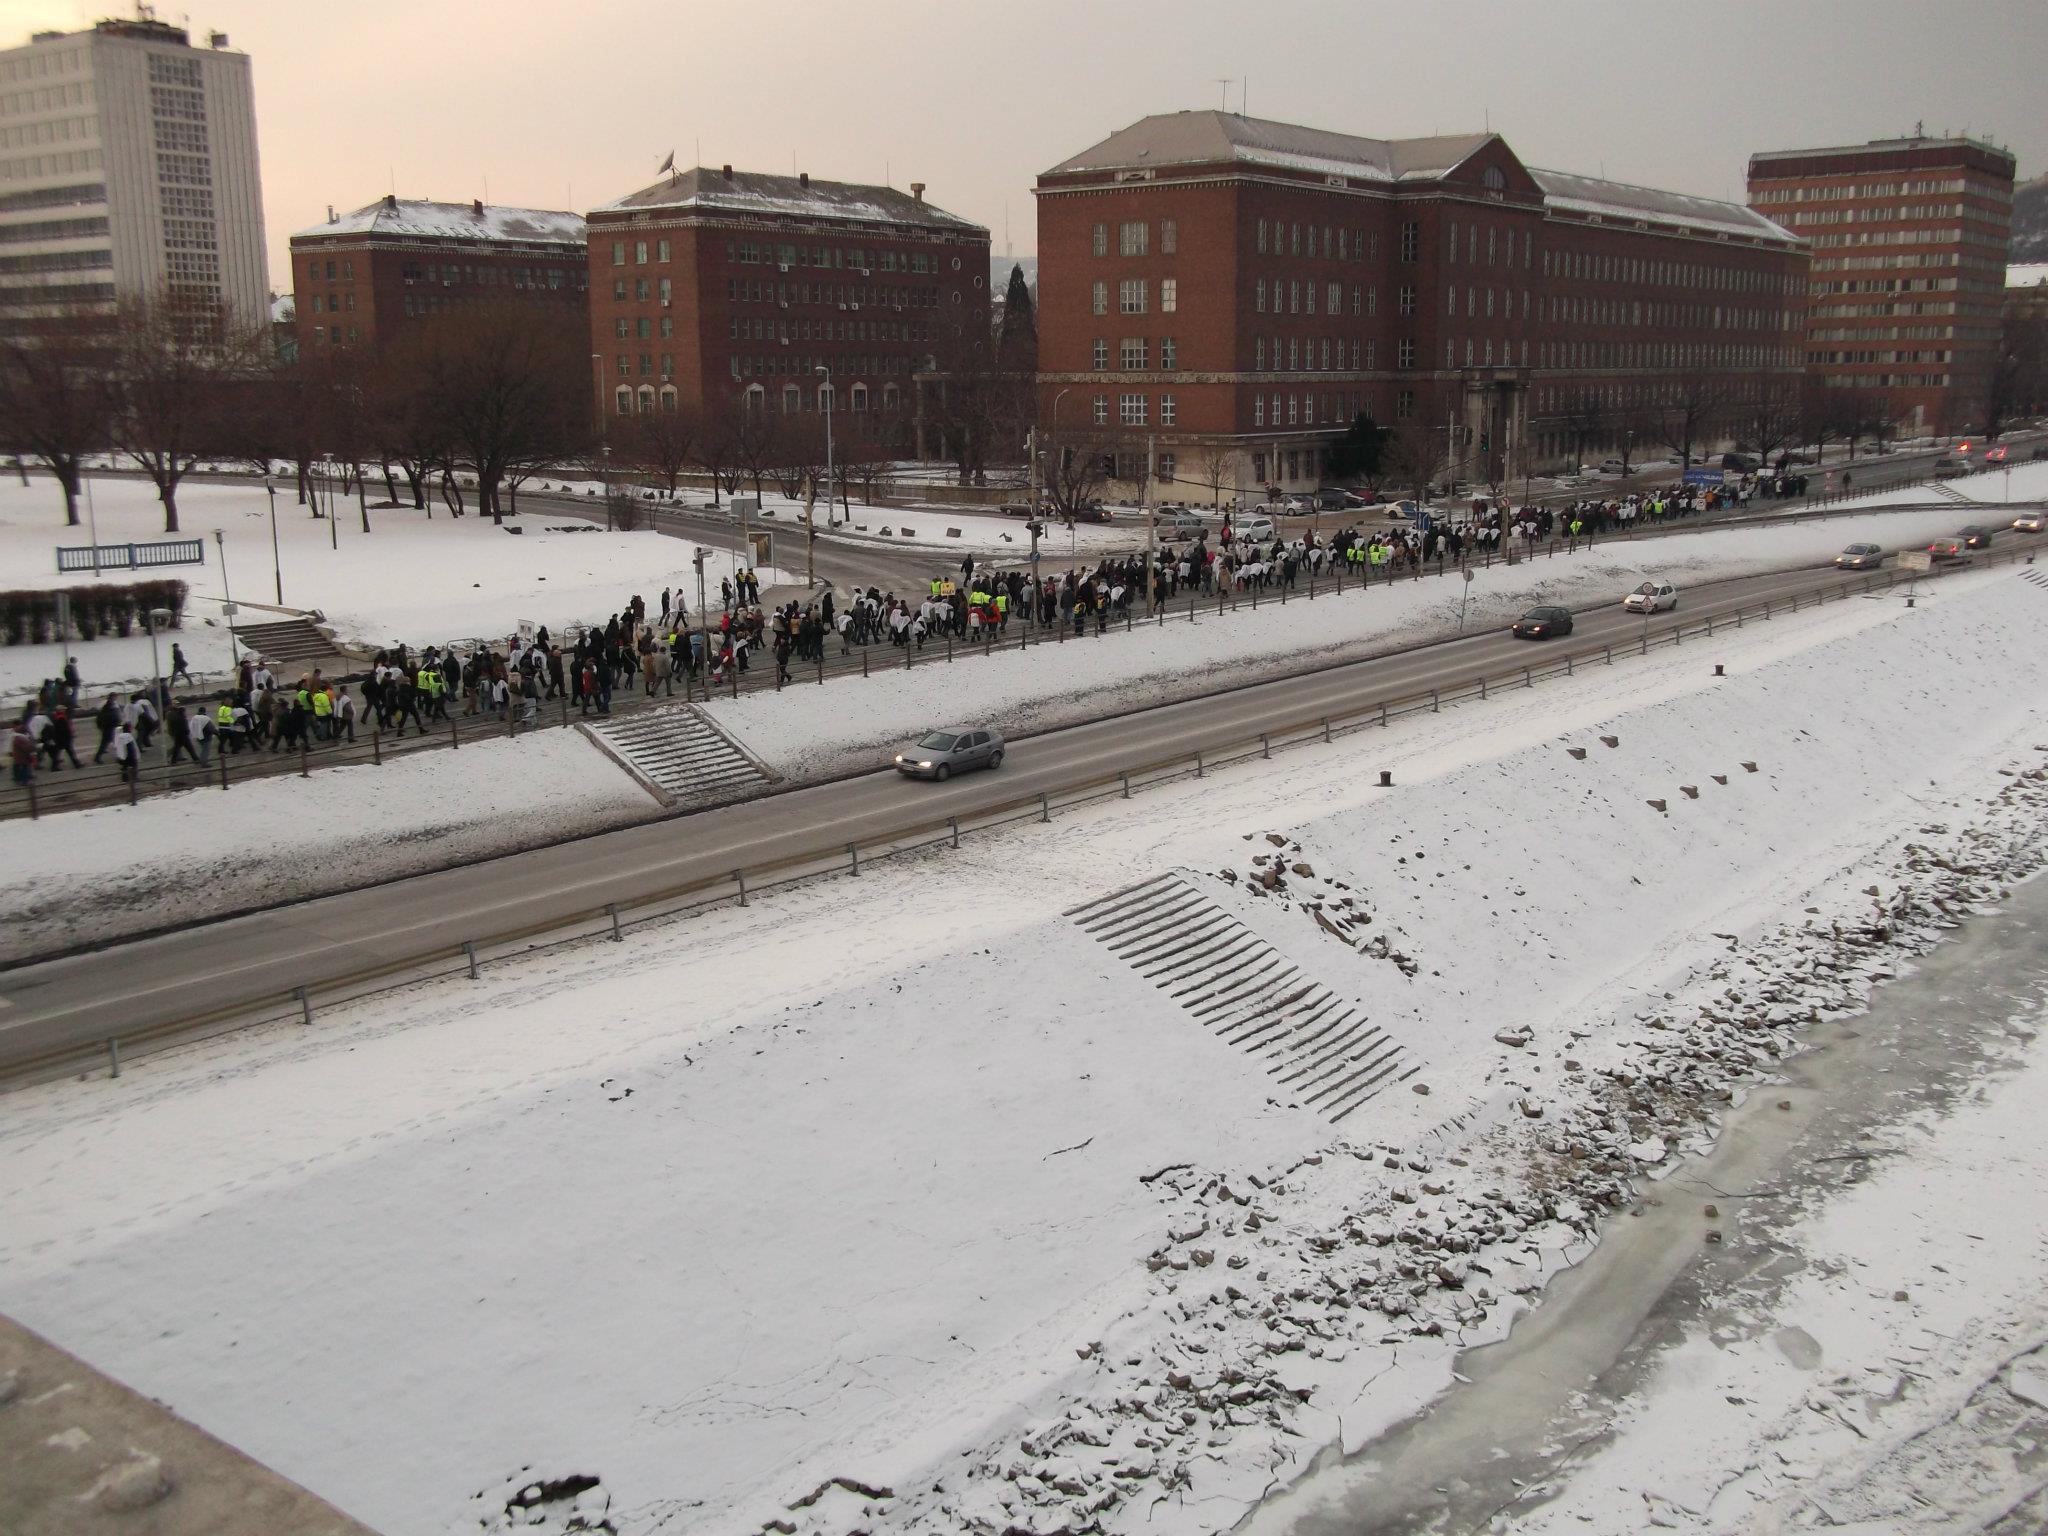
570	105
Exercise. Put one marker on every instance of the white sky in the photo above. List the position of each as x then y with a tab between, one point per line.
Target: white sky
569	106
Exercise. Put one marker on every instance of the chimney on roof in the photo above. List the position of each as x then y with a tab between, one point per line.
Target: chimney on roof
803	178
727	170
218	39
391	201
917	190
330	213
476	206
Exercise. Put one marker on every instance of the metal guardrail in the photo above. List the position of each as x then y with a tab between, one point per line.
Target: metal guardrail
612	922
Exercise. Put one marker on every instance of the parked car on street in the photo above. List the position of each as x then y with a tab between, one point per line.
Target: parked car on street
941	754
1256	526
1335	498
1860	557
1651	597
1614	467
1976	536
1177	524
1543	623
2027	522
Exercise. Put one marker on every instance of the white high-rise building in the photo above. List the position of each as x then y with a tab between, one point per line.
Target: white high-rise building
128	165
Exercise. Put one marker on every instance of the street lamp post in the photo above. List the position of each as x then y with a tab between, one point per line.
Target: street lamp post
276	566
156	616
831	401
227	604
93	525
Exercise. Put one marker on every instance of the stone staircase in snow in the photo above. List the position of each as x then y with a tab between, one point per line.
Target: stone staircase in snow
1318	1047
287	642
678	754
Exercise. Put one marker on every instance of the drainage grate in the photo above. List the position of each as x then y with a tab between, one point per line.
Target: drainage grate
1317	1046
679	752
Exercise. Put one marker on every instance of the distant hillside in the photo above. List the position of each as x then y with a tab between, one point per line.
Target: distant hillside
2030	221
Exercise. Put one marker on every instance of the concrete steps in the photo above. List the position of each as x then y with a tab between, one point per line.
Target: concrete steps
286	641
679	754
1317	1046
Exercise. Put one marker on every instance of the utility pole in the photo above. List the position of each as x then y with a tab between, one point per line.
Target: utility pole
1151	515
276	567
227	604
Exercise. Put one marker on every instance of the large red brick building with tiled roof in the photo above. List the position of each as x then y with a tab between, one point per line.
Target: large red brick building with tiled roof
1211	281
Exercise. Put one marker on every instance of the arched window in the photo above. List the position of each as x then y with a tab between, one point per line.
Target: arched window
668	398
858	397
756	400
624	399
792	400
891	397
646	399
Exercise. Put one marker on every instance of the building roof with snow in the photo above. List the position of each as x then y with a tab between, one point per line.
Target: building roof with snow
1209	138
414	219
2026	274
703	189
1622	202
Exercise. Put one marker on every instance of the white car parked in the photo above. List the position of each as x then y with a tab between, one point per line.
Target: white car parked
1651	597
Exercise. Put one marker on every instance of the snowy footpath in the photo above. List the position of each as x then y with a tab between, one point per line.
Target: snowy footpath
911	1204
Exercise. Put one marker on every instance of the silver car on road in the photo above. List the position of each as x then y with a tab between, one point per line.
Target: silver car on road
941	754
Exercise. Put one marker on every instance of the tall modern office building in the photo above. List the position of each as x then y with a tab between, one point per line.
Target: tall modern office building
1909	242
128	165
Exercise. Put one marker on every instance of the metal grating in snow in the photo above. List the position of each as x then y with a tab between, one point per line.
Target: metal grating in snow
1316	1046
679	752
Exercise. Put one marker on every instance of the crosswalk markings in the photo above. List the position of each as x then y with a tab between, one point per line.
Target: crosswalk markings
1315	1044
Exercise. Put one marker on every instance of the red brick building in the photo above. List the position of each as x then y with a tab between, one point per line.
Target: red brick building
1909	241
716	289
1234	291
363	277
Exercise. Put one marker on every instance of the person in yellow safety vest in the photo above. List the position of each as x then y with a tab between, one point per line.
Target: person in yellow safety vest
1578	526
935	589
323	713
1002	609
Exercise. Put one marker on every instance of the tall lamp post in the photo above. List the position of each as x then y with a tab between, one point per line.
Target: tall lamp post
227	604
157	617
831	401
604	433
276	567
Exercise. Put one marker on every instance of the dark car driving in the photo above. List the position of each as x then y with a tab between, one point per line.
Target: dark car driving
1543	623
1975	536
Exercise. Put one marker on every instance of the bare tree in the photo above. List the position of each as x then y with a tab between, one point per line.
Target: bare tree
2019	374
755	448
1769	418
1081	464
662	443
1583	420
511	388
53	399
1212	466
176	362
1694	412
1416	455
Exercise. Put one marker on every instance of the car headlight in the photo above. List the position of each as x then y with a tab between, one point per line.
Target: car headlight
924	762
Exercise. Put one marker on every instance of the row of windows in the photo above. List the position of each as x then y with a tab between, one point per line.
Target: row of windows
40	65
55	197
744	290
1886	381
861	259
173	69
1300	297
1320	241
1134	354
1607	268
449	274
56	130
63	162
52	229
332	333
58	261
1472	245
763	328
1134	238
178	103
1506	297
48	98
185	138
174	169
1296	355
1662	354
1134	296
331	304
1883	333
1484	356
1895	356
803	365
1135	410
1894	213
1577	309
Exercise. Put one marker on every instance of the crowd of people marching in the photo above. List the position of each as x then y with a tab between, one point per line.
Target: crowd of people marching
645	649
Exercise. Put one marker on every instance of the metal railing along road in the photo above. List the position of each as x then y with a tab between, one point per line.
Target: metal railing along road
741	886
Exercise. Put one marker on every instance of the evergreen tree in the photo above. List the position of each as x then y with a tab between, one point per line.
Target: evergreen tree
1017	341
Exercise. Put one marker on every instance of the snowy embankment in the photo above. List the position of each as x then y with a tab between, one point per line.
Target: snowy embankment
87	877
906	1205
424	578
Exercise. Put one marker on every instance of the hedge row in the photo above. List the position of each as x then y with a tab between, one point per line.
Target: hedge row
30	618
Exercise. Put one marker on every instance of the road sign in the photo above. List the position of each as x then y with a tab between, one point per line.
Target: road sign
1468	575
1915	560
743	506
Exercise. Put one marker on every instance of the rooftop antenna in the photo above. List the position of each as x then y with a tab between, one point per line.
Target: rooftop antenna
1224	81
1244	92
487	186
1486	117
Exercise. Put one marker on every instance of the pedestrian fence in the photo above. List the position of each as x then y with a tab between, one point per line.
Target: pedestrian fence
130	557
612	921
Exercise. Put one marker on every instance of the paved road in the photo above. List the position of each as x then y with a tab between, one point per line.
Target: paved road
80	999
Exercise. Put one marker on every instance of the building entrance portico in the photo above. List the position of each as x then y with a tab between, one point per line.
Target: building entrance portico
1492	407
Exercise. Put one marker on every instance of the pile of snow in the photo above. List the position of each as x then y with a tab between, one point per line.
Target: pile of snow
925	1211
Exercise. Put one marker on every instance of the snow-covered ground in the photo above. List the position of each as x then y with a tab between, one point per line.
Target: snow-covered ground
92	875
420	579
917	1186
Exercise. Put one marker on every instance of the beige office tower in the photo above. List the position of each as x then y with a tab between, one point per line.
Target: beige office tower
127	166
